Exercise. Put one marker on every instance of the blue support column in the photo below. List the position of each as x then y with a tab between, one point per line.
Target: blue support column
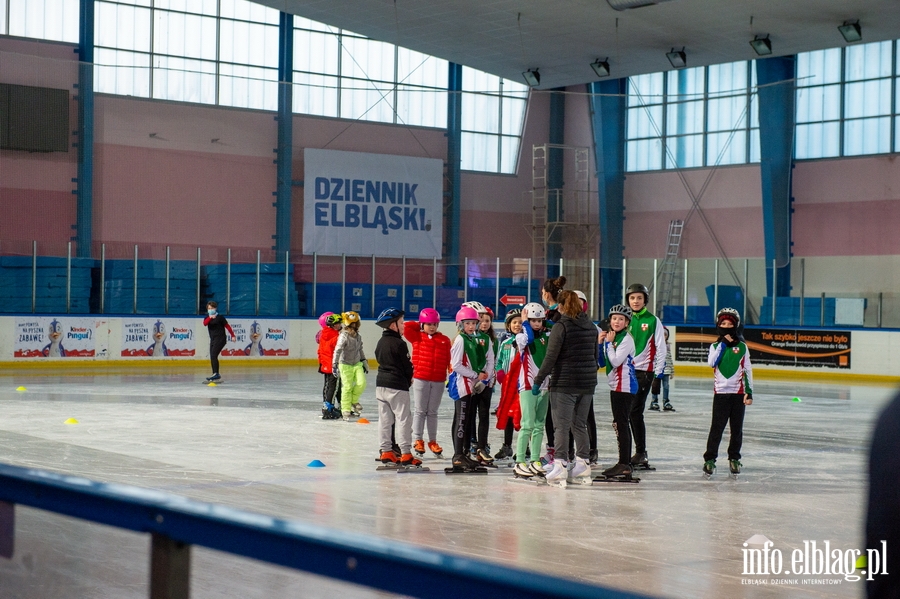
555	181
84	192
608	116
285	118
454	162
776	136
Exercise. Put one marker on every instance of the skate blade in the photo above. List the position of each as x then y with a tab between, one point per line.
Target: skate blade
559	484
528	480
580	482
465	471
439	456
386	467
412	469
616	479
505	463
643	467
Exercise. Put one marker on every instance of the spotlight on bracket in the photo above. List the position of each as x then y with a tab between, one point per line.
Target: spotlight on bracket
851	31
532	77
678	58
761	45
601	67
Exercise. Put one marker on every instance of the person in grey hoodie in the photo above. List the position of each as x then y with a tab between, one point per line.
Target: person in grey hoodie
571	364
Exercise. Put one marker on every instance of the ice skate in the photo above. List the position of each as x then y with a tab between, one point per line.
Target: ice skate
709	467
594	458
463	464
436	449
668	407
526	473
388	461
620	473
580	474
523	471
419	447
639	461
357	408
654	406
345	415
410	464
504	453
538	469
734	466
484	458
556	476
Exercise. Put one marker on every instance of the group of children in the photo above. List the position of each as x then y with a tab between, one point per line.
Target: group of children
477	360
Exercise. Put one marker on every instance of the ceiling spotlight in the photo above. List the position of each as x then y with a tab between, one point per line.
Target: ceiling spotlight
761	45
851	31
677	57
532	77
601	67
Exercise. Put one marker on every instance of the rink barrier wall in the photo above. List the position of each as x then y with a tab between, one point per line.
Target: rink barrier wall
875	354
176	523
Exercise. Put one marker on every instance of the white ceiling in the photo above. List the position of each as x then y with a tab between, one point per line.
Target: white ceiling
562	37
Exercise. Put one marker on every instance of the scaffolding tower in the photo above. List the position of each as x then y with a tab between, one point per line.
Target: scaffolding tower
562	216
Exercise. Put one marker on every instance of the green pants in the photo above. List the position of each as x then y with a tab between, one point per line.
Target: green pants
353	383
534	413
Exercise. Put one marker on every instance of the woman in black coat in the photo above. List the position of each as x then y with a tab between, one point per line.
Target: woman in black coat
571	364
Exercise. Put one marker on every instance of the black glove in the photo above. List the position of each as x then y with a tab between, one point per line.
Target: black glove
365	366
654	387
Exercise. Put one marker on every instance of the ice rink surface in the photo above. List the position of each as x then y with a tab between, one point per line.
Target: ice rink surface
246	443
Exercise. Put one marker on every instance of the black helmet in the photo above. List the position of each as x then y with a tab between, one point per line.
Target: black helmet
638	288
388	316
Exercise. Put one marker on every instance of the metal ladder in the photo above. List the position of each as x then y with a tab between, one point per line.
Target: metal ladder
671	276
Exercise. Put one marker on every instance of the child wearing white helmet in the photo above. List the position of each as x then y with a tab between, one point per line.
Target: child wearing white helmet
531	344
350	359
431	362
729	358
472	361
617	354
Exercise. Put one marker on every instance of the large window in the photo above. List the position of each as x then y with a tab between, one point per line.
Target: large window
705	116
846	101
55	20
493	111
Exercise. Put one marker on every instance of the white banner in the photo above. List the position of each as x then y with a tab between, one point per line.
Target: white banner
50	337
363	204
258	337
158	337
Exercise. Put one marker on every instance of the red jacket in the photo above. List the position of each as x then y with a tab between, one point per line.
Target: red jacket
326	349
430	353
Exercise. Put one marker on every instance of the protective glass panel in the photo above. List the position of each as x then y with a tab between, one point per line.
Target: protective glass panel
726	148
684	152
645	89
725	114
367	100
315	94
645	121
867	98
684	117
184	80
819	67
685	84
867	136
509	154
44	19
367	59
727	78
868	61
479	152
123	27
513	115
817	140
248	43
818	103
248	87
188	36
248	11
121	72
643	155
316	52
481	113
422	107
415	68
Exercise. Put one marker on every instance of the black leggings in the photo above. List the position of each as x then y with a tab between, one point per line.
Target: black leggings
622	404
481	407
638	429
215	348
331	391
508	432
727	408
462	418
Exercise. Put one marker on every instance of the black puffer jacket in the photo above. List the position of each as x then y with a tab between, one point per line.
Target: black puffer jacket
395	369
571	359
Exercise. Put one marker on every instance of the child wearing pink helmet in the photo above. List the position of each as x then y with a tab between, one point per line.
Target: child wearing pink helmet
472	360
431	362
